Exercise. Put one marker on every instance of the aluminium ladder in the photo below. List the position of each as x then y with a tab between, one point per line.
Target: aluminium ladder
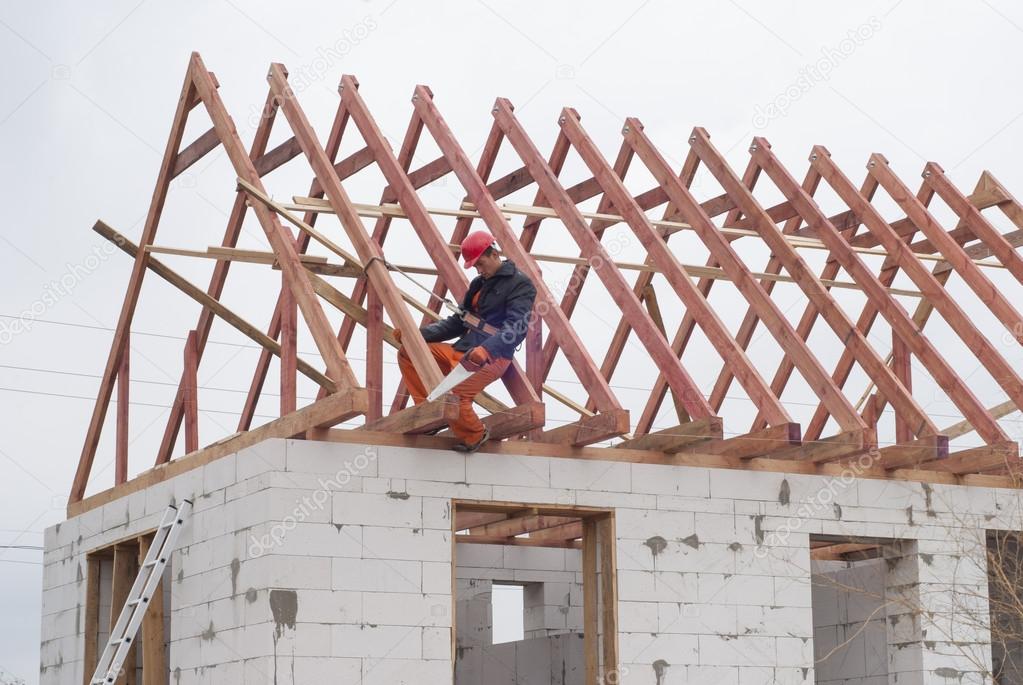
122	636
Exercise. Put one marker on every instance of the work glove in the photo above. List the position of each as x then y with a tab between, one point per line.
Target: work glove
476	358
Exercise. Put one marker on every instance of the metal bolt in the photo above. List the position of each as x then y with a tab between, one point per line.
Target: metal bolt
625	130
415	97
494	111
692	139
813	157
561	120
753	147
926	174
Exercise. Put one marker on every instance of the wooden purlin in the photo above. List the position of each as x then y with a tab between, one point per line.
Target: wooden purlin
547	307
950	310
601	262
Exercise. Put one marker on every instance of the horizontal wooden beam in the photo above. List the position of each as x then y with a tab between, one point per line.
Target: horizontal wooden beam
511	421
758	443
588	429
520	525
467	209
420	418
979	459
516	542
915	452
677	438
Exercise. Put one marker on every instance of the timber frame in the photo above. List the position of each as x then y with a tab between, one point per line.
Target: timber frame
357	280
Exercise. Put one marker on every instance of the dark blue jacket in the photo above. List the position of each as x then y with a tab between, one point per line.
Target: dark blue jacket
506	300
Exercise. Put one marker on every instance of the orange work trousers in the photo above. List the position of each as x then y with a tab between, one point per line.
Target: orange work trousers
467	427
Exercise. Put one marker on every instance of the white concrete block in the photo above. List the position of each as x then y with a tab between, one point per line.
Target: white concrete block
220	473
421	464
376	642
398	671
506	469
415	544
670	480
437	513
269	455
406	609
590	474
332	458
395	509
376	575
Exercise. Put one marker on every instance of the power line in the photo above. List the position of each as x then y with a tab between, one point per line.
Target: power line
169	336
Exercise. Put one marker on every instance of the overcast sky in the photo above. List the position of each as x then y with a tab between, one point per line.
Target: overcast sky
90	89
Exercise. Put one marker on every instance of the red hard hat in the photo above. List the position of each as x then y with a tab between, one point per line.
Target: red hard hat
474	245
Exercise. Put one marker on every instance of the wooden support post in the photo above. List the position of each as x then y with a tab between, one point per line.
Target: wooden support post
191	399
123	394
90	628
591	619
609	600
289	349
374	355
154	654
125	570
902	366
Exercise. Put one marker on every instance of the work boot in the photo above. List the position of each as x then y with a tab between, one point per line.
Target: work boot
469	448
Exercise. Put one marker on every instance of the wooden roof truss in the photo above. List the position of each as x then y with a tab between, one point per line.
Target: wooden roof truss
357	281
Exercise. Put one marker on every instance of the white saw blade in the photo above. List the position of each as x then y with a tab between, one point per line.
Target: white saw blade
457	375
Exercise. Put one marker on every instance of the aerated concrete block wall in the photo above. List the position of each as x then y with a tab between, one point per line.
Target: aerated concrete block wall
319	562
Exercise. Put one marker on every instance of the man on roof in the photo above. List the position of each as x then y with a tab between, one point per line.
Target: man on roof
502	297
